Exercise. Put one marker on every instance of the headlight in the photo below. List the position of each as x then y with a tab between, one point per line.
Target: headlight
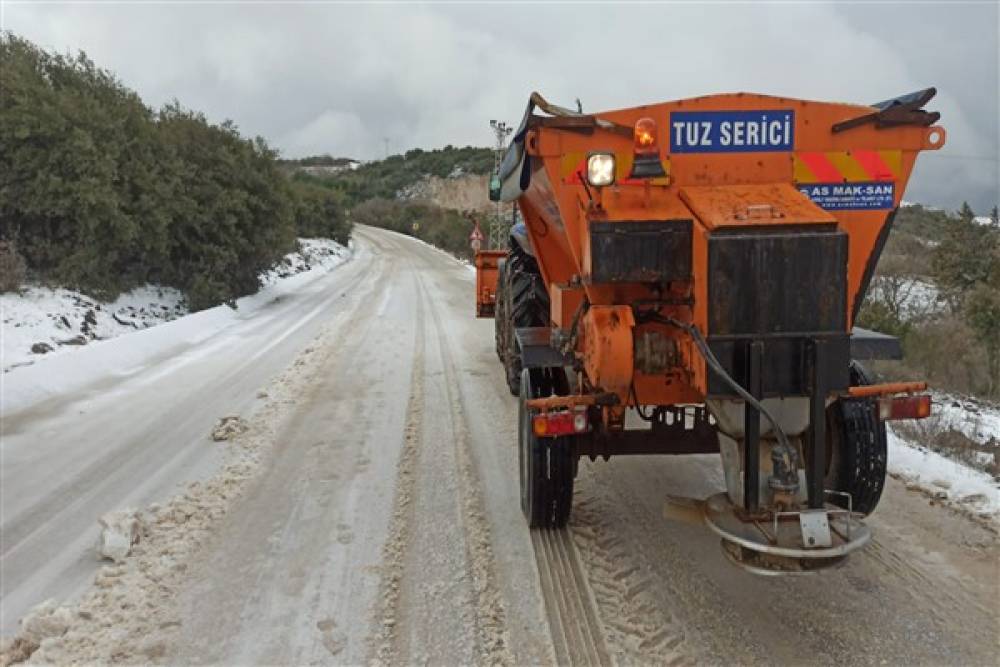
601	169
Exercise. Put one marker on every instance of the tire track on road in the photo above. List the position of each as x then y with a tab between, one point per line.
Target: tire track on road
577	633
491	618
382	641
638	629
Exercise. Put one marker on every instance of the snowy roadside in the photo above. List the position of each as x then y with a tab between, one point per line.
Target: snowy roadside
42	322
28	378
953	455
129	613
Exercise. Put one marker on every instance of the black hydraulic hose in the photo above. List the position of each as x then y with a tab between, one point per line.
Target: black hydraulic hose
788	478
638	408
574	329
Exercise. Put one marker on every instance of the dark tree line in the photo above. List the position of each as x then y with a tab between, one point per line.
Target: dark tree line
100	193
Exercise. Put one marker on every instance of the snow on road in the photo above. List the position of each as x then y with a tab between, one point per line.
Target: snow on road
126	422
369	513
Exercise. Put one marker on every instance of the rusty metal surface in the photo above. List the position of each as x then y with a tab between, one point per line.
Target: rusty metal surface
607	348
655	352
648	251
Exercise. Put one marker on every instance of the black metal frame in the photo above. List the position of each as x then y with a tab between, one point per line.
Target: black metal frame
661	438
821	382
751	425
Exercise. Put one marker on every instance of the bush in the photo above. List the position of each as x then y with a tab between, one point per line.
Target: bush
12	267
441	227
104	194
319	213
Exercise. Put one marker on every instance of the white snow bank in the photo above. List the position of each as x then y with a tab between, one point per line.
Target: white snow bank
54	321
25	385
976	420
948	479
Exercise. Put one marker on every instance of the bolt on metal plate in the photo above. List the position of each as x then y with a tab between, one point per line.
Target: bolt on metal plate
815	529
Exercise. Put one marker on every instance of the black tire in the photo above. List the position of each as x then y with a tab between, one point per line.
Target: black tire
856	441
547	465
500	312
527	306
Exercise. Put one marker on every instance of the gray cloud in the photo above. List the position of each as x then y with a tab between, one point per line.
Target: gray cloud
341	78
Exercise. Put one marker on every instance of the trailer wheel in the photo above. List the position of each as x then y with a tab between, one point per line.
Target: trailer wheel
547	465
856	441
527	306
500	313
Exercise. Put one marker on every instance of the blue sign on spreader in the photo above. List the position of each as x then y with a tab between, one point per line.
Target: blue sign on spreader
851	196
732	131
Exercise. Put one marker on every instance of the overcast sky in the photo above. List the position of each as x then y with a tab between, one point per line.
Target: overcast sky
340	78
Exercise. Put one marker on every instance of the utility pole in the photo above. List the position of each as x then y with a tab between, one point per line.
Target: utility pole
499	228
385	140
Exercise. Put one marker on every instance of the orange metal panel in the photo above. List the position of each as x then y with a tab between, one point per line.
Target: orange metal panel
749	205
714	190
565	301
486	262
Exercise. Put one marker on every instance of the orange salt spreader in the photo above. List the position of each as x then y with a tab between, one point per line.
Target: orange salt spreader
686	280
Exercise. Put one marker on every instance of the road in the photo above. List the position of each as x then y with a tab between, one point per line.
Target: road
383	526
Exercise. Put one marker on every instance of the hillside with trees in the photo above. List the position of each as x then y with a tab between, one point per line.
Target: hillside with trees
938	289
380	193
385	179
100	193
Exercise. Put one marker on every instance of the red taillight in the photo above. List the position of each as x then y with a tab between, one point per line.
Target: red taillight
645	137
904	407
561	422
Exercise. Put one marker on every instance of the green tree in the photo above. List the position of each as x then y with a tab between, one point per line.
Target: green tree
982	312
962	259
101	194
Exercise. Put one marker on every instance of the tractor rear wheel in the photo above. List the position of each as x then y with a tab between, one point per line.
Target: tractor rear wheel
857	446
500	312
527	306
547	465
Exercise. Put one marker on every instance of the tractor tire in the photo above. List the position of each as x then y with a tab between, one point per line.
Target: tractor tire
547	465
527	306
500	312
857	446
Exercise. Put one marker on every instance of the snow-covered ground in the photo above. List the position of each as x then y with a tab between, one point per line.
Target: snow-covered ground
41	322
132	420
25	381
973	483
977	420
49	321
943	477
